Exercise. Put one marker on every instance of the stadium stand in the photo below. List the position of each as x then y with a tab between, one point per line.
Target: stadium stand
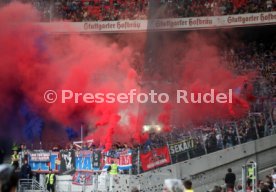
211	136
112	10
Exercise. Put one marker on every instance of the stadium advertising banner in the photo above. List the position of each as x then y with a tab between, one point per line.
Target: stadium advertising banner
155	158
83	160
164	24
43	165
124	160
181	147
82	178
67	160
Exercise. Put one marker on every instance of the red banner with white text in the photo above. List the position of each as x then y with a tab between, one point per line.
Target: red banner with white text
155	158
124	161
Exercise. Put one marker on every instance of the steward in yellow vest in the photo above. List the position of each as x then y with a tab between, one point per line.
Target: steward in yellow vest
250	175
113	169
51	181
15	159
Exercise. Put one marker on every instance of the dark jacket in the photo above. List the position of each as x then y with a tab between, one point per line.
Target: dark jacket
26	171
230	178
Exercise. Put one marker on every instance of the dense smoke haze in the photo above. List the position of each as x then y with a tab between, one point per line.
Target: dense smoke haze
33	60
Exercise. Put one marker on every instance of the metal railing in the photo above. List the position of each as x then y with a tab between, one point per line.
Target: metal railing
25	185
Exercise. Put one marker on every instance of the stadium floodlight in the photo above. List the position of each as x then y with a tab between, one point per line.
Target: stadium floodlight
158	128
146	128
152	128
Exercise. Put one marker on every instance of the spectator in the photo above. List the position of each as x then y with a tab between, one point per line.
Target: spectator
263	187
211	143
274	177
230	179
217	189
269	182
188	186
23	153
239	188
26	170
77	11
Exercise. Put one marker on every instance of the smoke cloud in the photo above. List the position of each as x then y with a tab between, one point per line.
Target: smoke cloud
33	61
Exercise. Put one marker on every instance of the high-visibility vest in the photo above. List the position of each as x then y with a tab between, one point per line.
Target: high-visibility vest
189	190
50	178
250	173
15	156
114	169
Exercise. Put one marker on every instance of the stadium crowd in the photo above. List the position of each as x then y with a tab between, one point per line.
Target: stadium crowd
112	10
210	136
213	136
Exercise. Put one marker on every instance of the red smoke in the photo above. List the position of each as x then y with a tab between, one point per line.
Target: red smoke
33	61
202	70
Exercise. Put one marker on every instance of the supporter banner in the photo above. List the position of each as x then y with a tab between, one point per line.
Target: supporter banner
163	24
83	160
96	160
181	147
124	160
44	166
155	158
67	160
82	178
39	156
106	161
